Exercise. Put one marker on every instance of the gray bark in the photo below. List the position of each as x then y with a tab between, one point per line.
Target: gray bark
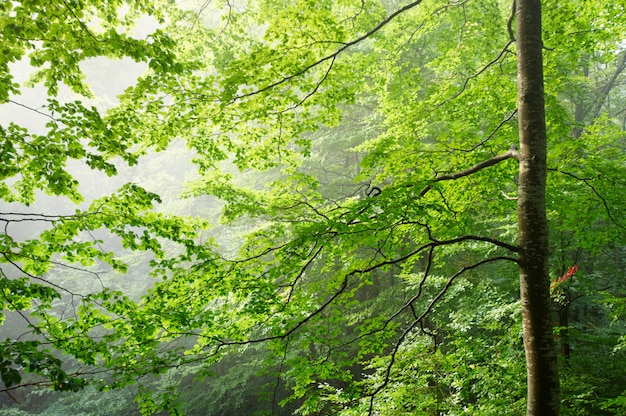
543	380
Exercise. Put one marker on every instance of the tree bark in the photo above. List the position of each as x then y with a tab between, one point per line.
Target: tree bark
543	381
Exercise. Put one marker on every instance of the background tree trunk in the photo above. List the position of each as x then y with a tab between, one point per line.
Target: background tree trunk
543	380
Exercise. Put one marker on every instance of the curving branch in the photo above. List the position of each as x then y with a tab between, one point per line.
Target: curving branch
333	55
600	99
587	182
489	64
510	154
344	285
82	24
315	89
490	136
509	23
418	321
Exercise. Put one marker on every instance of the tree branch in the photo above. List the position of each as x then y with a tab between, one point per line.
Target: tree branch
333	55
594	110
511	153
490	136
586	181
509	23
221	343
477	74
429	308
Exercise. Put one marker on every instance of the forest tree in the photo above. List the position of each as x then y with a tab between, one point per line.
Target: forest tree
543	381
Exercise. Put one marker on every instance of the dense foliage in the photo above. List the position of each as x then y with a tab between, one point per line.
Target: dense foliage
301	207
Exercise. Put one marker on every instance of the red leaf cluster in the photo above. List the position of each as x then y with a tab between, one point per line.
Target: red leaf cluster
569	273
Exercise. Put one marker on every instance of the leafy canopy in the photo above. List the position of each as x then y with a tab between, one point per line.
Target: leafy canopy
360	151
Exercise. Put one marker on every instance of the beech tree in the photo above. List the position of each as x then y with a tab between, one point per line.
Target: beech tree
366	158
543	381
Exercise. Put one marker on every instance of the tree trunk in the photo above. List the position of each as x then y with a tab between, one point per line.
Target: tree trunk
564	329
543	380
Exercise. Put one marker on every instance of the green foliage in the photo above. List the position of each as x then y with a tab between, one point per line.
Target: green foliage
359	271
29	356
91	327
